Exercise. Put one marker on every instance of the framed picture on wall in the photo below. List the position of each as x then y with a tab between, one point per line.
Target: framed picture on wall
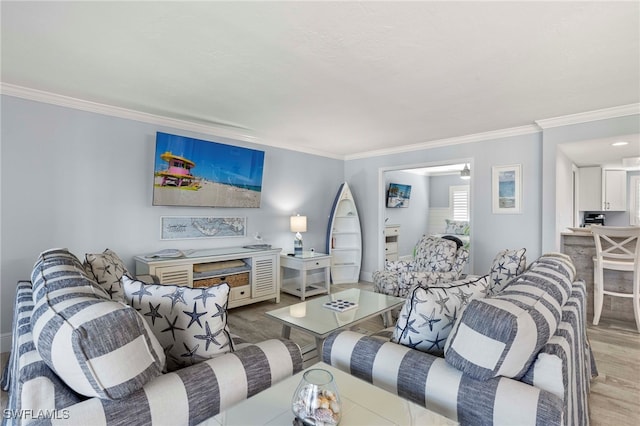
506	188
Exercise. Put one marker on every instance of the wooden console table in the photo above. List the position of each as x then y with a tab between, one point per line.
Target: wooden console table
252	274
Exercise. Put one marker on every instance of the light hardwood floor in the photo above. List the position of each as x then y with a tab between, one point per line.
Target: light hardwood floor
615	393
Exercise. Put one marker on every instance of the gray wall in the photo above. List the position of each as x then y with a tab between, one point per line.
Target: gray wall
491	232
439	189
413	219
84	181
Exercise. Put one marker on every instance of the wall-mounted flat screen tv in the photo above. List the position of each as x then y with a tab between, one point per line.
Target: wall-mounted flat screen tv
193	172
398	195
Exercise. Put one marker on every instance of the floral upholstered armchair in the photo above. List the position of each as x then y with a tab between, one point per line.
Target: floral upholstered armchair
436	260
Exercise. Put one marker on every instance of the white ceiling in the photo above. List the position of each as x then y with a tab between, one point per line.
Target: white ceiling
334	78
602	152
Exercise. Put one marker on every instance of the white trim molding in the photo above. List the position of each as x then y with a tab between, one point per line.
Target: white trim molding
585	117
237	133
476	137
247	135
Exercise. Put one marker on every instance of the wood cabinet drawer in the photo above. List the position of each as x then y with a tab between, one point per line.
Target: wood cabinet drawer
391	231
320	263
234	280
391	247
239	293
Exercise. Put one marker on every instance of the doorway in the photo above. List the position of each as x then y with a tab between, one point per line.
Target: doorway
437	192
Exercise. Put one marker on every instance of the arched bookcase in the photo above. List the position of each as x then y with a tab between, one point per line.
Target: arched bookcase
344	238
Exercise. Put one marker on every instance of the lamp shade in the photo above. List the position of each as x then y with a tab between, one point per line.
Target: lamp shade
298	223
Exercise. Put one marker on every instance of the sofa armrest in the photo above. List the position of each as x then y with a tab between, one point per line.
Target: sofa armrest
198	392
431	382
565	365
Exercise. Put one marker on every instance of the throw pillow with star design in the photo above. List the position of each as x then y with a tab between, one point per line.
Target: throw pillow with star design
107	269
429	313
506	266
190	323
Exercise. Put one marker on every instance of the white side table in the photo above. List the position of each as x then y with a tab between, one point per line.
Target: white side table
308	261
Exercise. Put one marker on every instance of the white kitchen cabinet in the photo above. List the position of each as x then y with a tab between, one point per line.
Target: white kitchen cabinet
602	189
614	193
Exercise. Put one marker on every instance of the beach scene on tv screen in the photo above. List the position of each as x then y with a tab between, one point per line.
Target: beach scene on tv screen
398	195
193	172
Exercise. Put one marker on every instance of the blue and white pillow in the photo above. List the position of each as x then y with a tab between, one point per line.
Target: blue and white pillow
456	227
107	269
429	313
507	265
502	335
190	323
97	346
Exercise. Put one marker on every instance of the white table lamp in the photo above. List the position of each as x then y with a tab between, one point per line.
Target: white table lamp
298	224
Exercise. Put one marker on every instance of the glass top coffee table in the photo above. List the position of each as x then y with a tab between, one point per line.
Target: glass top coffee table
313	318
362	404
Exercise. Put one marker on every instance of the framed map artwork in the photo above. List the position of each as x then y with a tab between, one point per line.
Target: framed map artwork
193	227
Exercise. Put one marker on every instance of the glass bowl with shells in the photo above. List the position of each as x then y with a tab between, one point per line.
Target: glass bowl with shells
316	400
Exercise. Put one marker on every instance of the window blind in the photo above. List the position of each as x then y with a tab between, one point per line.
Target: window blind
459	202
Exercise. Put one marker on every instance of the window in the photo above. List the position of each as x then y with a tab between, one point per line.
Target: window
634	202
459	202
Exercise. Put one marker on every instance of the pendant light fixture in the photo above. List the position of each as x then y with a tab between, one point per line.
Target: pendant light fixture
465	173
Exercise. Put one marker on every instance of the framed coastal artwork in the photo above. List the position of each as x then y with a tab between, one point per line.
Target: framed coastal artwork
197	173
507	189
194	227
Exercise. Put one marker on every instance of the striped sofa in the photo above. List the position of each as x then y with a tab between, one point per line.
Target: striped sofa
549	386
138	392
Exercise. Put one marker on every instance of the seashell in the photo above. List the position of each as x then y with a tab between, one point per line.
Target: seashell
315	403
328	394
324	403
335	407
324	415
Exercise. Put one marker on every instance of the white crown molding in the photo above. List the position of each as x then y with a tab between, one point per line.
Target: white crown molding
585	117
208	129
113	111
476	137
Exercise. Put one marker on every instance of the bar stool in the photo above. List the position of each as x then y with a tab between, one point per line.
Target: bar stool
617	248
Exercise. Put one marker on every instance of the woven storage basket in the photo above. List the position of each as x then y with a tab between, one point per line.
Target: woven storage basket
234	280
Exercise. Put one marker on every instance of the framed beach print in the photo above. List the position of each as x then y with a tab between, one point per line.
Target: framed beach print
506	185
197	173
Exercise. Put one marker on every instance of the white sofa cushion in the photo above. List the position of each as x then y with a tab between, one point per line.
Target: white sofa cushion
97	346
190	323
501	335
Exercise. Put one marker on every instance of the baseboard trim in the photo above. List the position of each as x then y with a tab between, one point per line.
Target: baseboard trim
5	342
